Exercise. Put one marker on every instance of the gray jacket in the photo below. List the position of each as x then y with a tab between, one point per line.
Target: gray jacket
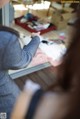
12	57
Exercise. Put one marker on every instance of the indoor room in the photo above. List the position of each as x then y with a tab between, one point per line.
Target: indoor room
39	59
53	19
60	16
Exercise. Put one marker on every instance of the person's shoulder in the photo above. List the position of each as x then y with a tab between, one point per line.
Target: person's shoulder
9	30
6	33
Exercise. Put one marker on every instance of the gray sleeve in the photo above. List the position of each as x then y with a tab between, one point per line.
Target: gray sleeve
15	57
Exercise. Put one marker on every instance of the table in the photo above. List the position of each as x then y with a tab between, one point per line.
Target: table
40	61
33	67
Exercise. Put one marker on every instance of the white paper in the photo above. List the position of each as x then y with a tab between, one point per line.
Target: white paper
54	51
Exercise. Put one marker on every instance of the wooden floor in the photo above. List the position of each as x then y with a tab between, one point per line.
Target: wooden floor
44	77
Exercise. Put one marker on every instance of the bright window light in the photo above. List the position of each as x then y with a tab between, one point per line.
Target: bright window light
20	7
39	6
36	6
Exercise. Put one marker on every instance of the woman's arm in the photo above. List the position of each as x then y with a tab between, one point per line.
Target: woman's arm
50	106
15	57
22	104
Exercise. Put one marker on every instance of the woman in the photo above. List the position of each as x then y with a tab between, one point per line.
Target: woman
62	99
12	57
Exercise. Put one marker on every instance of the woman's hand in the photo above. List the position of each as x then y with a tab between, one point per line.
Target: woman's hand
31	86
37	34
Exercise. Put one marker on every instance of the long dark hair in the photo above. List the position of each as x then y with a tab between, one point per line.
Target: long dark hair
68	75
69	70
